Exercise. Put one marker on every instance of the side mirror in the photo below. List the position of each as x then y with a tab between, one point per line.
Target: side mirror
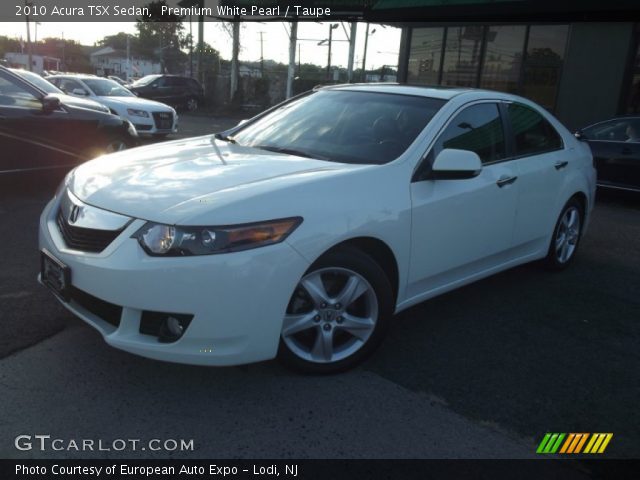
79	91
453	164
579	135
154	85
50	103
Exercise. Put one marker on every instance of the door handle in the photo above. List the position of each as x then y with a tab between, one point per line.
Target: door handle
561	165
502	181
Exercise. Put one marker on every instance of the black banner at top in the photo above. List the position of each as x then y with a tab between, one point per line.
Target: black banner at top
384	11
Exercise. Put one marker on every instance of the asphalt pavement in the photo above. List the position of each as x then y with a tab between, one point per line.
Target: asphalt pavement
482	372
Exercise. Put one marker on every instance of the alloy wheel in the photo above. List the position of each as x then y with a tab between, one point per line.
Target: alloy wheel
567	235
115	146
332	314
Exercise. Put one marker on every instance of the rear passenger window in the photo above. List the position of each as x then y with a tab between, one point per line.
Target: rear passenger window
477	128
532	133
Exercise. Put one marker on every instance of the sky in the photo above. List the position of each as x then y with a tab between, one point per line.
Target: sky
382	47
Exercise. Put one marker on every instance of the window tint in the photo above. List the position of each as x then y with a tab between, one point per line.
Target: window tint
12	94
532	133
68	86
477	128
618	130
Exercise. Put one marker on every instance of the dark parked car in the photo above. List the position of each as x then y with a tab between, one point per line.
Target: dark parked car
41	131
49	88
180	92
615	145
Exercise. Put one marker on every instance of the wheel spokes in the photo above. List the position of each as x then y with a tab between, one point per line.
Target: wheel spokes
315	288
359	327
351	291
323	345
298	323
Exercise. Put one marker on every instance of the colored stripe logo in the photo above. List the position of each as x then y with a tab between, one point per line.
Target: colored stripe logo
574	443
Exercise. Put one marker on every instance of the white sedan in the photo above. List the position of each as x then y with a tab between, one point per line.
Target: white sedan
147	116
301	232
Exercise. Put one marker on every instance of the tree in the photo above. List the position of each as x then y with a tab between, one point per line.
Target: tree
164	36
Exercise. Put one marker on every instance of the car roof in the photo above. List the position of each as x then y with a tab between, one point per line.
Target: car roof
441	92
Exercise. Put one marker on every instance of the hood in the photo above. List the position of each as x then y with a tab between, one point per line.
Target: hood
133	102
80	102
174	181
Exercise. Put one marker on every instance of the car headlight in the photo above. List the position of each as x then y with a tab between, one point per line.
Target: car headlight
167	240
137	113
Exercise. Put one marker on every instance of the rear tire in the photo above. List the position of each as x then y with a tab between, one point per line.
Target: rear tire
337	315
566	236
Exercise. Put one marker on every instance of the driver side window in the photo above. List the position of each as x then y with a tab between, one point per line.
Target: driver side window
477	128
12	94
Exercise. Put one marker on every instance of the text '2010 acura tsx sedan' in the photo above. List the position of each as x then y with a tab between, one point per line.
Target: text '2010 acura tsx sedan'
299	233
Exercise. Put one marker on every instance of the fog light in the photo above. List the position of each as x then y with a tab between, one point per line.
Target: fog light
171	330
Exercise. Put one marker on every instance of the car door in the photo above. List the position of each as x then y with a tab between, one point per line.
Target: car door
541	164
29	135
463	227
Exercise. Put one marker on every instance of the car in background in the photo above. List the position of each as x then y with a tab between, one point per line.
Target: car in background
118	80
181	92
147	116
39	130
301	232
615	144
51	89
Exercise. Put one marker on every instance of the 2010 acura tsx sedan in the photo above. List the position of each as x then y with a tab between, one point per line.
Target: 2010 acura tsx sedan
301	232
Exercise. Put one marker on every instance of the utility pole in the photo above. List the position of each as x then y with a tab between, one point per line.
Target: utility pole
29	52
352	49
234	58
128	57
364	56
331	27
200	41
190	45
261	54
293	40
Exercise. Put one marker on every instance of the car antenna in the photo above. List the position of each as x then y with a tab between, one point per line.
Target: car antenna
217	149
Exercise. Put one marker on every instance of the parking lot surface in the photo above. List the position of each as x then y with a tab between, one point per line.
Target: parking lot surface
481	372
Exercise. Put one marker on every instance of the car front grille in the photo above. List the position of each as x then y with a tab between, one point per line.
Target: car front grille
102	309
85	239
163	120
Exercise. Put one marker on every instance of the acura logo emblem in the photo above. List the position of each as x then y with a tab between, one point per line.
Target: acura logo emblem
74	213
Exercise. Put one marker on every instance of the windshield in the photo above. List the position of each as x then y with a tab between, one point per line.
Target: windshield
38	81
144	81
343	126
103	87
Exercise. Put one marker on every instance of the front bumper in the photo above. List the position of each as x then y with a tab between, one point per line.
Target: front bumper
237	300
147	125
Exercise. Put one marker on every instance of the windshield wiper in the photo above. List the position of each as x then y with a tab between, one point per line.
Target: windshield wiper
288	151
225	138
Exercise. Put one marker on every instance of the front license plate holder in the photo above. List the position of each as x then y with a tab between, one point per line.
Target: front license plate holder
55	275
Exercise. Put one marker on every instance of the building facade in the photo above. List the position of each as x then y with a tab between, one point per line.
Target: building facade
581	71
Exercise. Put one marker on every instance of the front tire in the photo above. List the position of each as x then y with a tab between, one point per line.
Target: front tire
566	236
337	315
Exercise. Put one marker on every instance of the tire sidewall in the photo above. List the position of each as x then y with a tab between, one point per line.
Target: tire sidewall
366	266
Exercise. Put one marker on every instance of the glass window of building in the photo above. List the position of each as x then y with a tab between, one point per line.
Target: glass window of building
462	56
425	56
634	93
543	63
503	58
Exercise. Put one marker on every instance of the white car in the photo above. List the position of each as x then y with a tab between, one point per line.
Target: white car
147	116
302	231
